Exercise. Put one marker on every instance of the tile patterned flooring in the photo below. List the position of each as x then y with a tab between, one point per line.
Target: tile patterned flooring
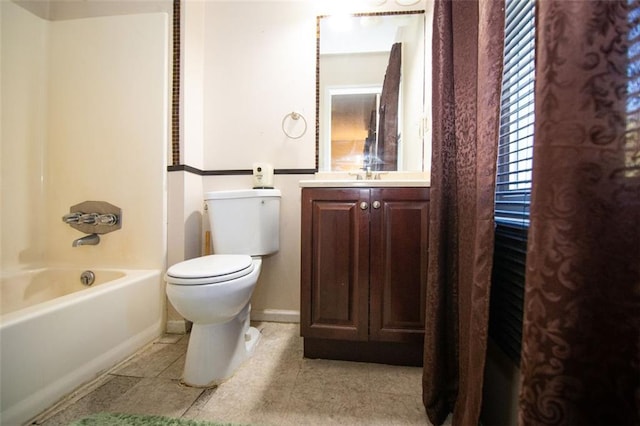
277	386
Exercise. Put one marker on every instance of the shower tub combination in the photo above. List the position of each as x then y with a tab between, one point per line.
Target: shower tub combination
57	334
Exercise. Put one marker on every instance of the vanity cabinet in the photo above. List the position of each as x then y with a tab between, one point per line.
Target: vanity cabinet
364	273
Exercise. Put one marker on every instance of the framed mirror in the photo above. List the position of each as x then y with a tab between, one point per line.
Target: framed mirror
370	88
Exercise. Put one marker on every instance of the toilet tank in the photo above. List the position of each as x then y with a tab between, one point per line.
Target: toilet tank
244	221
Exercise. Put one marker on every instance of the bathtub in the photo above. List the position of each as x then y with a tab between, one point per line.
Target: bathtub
57	334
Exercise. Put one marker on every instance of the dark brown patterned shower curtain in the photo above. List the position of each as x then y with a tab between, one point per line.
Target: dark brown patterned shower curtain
467	68
581	336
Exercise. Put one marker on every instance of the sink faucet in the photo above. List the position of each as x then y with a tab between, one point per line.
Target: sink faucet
89	240
368	174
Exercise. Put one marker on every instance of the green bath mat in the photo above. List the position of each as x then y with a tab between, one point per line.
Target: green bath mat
116	419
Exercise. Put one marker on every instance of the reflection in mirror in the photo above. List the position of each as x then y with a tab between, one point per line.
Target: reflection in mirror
352	127
370	92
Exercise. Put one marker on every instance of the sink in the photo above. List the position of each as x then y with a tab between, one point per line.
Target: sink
386	179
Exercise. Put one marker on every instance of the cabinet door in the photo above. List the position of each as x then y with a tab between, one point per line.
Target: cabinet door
335	263
398	259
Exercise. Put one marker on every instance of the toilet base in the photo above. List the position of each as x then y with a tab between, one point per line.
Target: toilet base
215	351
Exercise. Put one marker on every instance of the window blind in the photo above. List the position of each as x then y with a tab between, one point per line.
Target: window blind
515	146
632	146
513	178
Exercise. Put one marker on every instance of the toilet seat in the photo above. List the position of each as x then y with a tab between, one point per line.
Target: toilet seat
212	269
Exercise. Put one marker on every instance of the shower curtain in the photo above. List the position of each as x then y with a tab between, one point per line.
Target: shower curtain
467	69
581	333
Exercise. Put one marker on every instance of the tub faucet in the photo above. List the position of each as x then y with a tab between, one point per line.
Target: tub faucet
89	240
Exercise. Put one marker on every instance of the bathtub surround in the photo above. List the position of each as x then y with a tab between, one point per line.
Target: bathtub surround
84	117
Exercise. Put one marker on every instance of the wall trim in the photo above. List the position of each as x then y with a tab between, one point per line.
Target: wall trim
175	85
196	171
275	315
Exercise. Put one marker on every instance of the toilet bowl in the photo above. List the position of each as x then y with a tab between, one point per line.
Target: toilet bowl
221	337
214	292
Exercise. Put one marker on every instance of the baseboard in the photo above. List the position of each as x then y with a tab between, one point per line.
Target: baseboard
178	326
269	315
275	315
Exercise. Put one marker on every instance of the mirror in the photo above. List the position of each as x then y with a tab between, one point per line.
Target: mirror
370	91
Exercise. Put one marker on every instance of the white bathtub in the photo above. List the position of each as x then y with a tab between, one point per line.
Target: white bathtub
57	334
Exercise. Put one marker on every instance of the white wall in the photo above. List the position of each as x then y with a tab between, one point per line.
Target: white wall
259	66
278	289
86	100
192	77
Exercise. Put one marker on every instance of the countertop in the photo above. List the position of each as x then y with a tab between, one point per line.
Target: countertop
384	179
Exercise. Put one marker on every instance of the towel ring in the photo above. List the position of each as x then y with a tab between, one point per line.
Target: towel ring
294	116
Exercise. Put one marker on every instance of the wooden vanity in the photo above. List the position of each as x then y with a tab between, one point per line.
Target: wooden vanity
364	272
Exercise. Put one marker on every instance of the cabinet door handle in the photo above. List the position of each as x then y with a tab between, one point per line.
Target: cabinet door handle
364	205
376	204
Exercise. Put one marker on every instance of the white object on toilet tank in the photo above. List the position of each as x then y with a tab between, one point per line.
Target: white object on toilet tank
262	175
244	221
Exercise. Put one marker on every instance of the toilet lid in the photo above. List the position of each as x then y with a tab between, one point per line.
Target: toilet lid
210	269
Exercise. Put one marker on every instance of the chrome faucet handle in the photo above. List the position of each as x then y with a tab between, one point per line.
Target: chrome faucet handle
89	218
377	175
108	219
72	217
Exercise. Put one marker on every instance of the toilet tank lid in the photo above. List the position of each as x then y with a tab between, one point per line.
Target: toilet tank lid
241	193
217	265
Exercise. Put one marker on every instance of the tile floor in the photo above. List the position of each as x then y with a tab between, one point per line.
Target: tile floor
276	386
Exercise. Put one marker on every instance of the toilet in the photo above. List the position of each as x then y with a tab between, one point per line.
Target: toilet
214	292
